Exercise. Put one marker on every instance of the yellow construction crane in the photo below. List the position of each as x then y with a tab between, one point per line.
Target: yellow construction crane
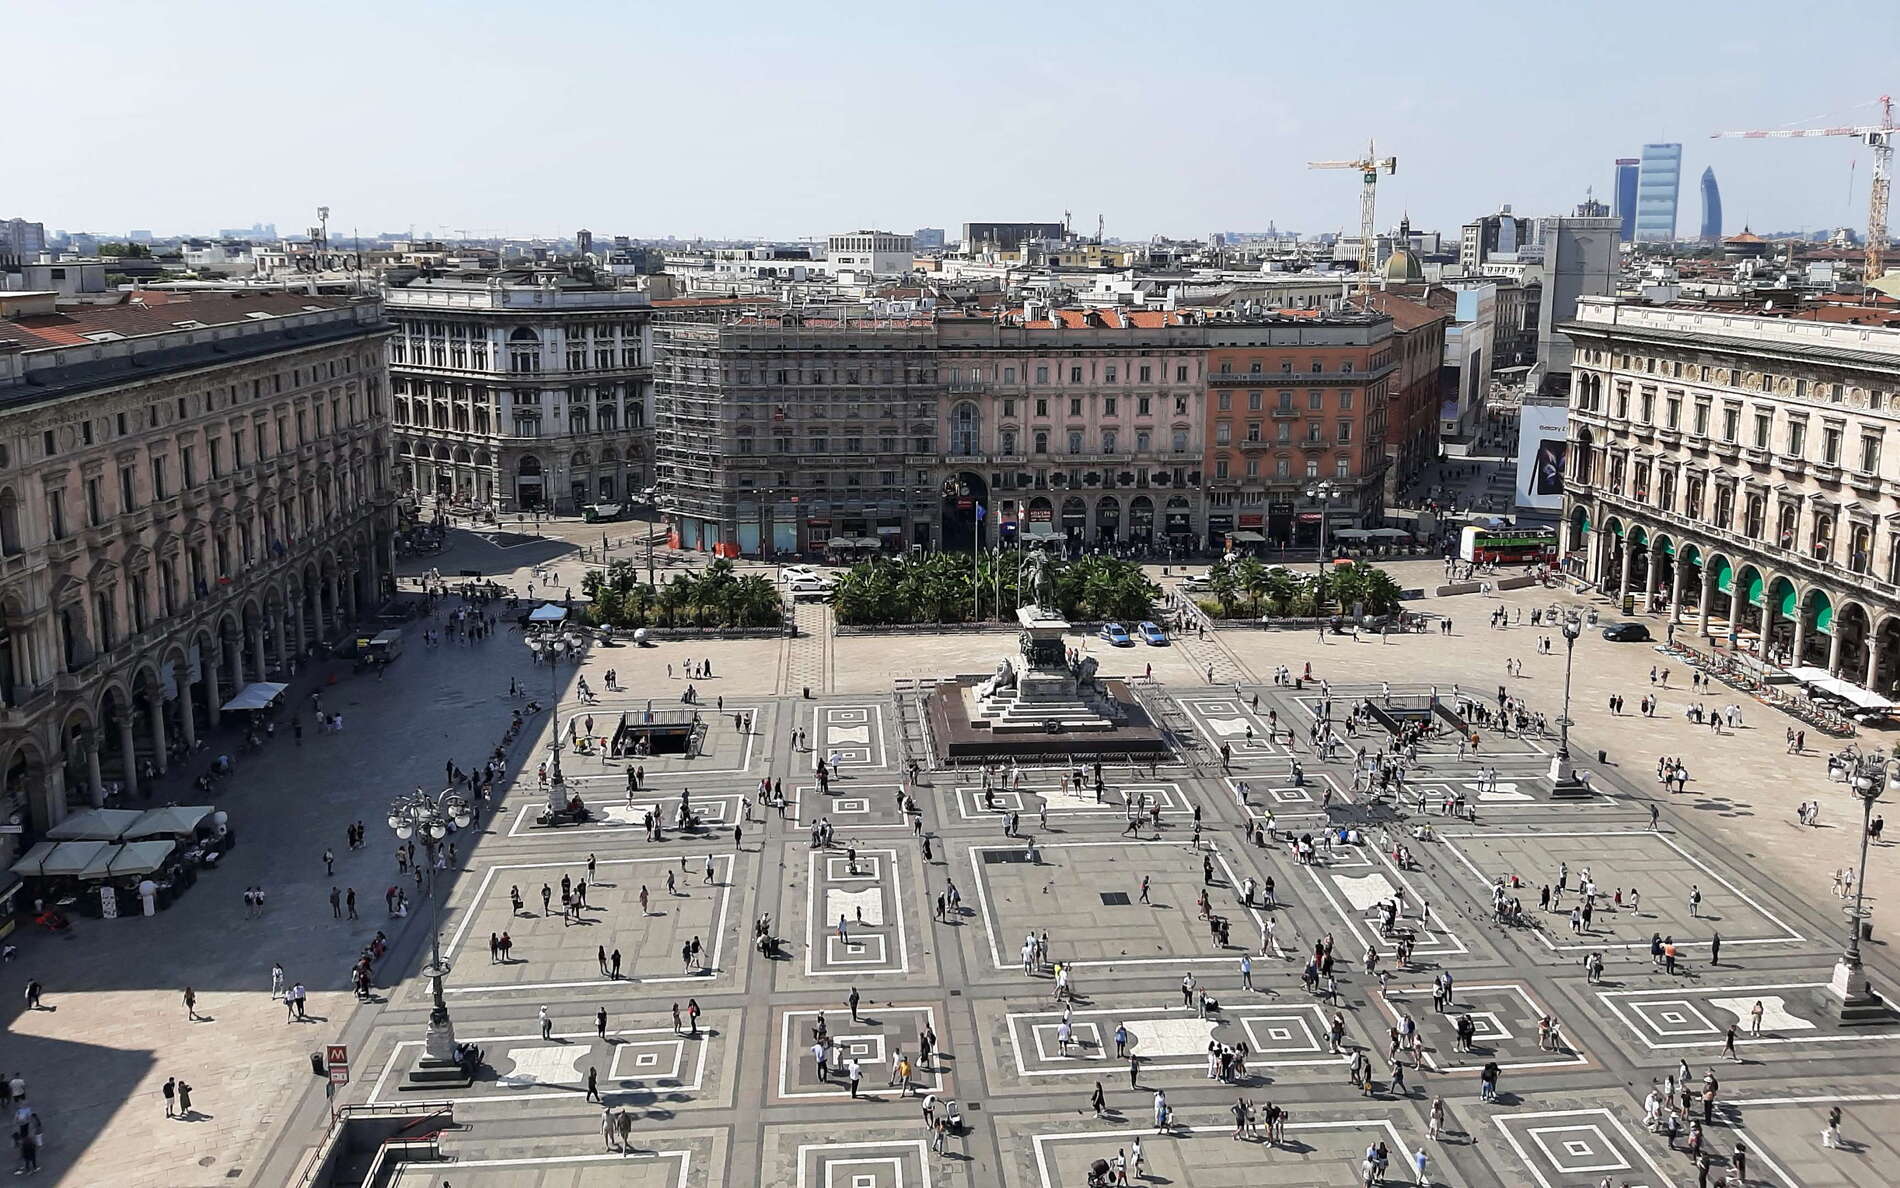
1878	137
1369	168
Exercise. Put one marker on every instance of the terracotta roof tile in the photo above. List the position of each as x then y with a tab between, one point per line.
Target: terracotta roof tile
152	313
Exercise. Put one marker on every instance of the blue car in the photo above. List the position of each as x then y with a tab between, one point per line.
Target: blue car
1152	635
1117	635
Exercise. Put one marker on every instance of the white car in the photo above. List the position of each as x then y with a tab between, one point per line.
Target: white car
1196	583
809	586
792	573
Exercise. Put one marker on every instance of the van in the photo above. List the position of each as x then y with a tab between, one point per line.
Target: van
597	513
384	646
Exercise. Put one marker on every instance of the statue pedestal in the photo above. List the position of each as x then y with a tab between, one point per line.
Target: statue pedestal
1046	695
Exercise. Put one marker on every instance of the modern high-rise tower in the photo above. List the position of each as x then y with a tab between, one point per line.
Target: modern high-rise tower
1658	183
1625	195
1711	208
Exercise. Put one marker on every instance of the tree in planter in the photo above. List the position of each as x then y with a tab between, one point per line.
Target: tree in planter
1224	585
1371	588
1250	574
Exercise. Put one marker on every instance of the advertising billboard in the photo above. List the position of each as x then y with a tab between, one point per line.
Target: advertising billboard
1541	452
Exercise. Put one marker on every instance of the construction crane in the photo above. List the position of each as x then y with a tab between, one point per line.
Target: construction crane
1878	137
1369	168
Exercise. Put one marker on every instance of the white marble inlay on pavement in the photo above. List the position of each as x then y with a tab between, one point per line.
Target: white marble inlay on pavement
834	735
848	903
1775	1015
1170	1037
1364	892
1227	727
541	1065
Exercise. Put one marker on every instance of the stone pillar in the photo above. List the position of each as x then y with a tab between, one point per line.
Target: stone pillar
257	653
1834	648
187	716
128	748
349	596
296	625
1708	598
1623	579
1873	660
96	781
280	639
1735	608
213	698
50	798
323	605
234	654
158	730
1675	589
1800	631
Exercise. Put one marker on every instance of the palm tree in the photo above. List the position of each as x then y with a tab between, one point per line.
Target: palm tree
1251	576
1225	588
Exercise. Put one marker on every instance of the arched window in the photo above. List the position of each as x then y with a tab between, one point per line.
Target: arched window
9	522
966	430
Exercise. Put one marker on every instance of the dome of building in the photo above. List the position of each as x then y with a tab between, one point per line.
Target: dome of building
1402	267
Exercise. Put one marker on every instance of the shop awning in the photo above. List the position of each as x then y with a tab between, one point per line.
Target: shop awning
868	542
1248	536
548	612
1350	534
1040	528
173	820
29	862
839	542
99	824
255	696
62	858
133	858
1388	533
1819	680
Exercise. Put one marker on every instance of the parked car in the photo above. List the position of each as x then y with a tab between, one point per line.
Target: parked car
1197	583
1626	633
1116	635
789	572
1152	635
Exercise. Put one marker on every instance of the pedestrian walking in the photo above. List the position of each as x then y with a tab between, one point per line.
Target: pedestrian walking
170	1090
547	1024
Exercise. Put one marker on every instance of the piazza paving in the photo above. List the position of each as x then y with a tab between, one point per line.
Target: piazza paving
732	1097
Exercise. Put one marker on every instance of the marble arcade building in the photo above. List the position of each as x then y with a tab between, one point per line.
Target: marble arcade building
194	489
1741	473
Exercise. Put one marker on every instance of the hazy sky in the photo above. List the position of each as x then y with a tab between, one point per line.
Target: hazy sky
741	118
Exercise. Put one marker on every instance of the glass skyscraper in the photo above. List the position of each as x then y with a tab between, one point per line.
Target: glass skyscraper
1658	183
1625	194
1711	208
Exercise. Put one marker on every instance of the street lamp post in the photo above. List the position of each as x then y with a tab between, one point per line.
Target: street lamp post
433	817
1322	493
1563	773
1859	1001
549	643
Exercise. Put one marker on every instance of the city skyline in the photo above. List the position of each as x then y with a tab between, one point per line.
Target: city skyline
1037	136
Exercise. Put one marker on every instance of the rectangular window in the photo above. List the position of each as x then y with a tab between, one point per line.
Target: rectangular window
128	488
1223	432
1253	468
1674	413
1797	438
1220	468
1731	422
1075	406
158	477
1764	425
1831	446
1224	401
1701	419
1315	400
1870	455
1075	375
1147	373
1042	406
1345	432
1042	375
1075	441
1144	407
1180	374
1345	402
1253	401
1108	374
188	463
1009	407
95	506
1142	440
1108	406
